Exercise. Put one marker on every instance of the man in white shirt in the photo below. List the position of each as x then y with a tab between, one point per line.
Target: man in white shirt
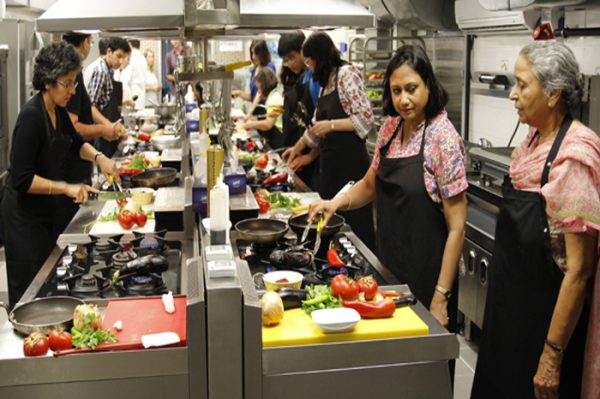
134	75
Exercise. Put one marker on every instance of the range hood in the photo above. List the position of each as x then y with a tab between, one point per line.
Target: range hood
416	14
166	18
472	18
495	5
163	18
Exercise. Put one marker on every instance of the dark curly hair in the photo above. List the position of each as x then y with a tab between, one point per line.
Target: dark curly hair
320	48
267	79
53	61
262	52
416	58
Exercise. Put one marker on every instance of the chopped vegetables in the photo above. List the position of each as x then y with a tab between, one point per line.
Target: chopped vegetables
319	297
279	200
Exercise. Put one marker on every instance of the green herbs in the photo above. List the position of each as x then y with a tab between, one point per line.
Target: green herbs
137	162
90	338
278	200
320	297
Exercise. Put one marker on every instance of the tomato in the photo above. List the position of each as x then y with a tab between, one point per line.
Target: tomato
143	136
262	161
125	162
36	344
140	218
345	287
250	145
263	203
125	219
121	202
59	340
368	285
147	161
129	171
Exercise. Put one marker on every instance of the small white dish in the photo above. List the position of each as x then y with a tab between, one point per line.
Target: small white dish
336	320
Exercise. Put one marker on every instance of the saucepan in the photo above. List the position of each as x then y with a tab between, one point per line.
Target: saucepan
261	230
43	314
155	177
298	223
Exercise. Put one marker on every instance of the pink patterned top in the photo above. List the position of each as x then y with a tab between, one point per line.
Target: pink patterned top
354	101
572	193
444	152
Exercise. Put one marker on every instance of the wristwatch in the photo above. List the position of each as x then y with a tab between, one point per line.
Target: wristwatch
446	293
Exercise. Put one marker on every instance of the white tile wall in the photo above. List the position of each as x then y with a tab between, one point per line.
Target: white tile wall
494	118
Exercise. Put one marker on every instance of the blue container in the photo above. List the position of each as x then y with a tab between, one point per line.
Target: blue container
200	200
236	180
192	125
189	107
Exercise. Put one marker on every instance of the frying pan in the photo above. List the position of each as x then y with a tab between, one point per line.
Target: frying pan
298	223
155	177
261	230
43	314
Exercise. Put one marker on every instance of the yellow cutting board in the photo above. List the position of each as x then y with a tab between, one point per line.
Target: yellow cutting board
298	328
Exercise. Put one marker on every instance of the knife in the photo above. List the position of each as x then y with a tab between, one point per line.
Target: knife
408	299
108	195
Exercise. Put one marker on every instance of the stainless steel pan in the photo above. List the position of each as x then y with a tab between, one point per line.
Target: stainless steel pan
261	230
43	314
155	177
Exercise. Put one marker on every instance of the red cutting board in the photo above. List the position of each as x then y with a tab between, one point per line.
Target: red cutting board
141	316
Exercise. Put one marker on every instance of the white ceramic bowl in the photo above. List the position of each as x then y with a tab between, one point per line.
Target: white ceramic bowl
281	279
336	320
142	195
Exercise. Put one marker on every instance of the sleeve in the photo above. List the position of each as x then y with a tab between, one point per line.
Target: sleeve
274	100
384	134
169	63
354	100
28	140
448	160
97	82
74	104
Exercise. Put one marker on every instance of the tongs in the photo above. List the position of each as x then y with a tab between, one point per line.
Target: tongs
319	229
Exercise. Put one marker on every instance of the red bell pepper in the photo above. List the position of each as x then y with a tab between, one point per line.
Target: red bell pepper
263	204
278	178
372	310
333	258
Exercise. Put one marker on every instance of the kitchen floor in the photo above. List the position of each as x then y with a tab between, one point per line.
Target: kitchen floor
465	368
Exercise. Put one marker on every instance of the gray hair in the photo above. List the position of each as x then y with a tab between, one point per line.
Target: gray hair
53	61
555	66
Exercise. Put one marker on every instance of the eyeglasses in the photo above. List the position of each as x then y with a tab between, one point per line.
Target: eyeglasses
68	85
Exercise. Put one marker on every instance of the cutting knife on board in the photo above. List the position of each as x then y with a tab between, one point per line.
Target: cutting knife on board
108	195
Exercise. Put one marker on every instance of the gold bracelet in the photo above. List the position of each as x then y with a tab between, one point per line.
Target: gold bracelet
50	188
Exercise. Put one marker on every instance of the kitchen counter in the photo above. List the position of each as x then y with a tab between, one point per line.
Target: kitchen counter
177	372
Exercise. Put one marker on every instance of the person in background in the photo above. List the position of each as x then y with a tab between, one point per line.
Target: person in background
298	87
261	58
42	139
87	71
105	92
546	241
153	88
343	119
270	127
90	124
171	62
135	75
120	75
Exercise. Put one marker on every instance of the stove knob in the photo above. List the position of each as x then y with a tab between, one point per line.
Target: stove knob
71	248
67	261
61	271
62	287
343	240
348	246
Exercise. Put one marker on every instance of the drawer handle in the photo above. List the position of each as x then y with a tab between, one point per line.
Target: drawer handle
483	270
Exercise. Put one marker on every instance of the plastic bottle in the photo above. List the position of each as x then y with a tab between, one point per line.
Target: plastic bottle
200	165
190	99
219	212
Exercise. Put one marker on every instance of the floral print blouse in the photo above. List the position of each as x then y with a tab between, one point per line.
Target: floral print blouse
444	166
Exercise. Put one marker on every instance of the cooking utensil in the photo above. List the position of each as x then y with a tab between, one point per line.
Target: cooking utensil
165	141
43	314
305	233
261	230
298	223
155	177
108	195
165	111
318	239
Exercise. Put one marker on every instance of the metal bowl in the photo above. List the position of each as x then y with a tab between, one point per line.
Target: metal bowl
165	111
261	230
165	141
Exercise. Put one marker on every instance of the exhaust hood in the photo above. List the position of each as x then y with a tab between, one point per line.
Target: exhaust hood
162	17
416	14
472	18
495	5
172	17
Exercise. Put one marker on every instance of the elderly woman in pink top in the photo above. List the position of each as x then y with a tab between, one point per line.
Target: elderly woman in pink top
546	248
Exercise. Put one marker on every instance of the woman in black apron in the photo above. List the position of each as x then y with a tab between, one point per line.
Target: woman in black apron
343	153
536	318
418	239
42	139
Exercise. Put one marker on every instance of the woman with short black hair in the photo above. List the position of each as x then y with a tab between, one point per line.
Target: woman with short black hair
42	140
418	180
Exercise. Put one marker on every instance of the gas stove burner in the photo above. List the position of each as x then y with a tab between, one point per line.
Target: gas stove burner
122	257
147	284
102	245
150	243
81	253
89	284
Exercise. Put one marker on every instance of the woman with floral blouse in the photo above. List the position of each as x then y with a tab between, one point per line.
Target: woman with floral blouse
342	122
418	181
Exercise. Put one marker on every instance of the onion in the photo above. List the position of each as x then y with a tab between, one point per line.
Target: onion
87	314
272	308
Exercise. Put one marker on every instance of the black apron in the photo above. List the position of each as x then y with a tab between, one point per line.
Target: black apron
292	132
411	229
29	220
343	158
112	112
524	282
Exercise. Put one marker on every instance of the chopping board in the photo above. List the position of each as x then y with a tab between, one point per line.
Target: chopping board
298	328
102	229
